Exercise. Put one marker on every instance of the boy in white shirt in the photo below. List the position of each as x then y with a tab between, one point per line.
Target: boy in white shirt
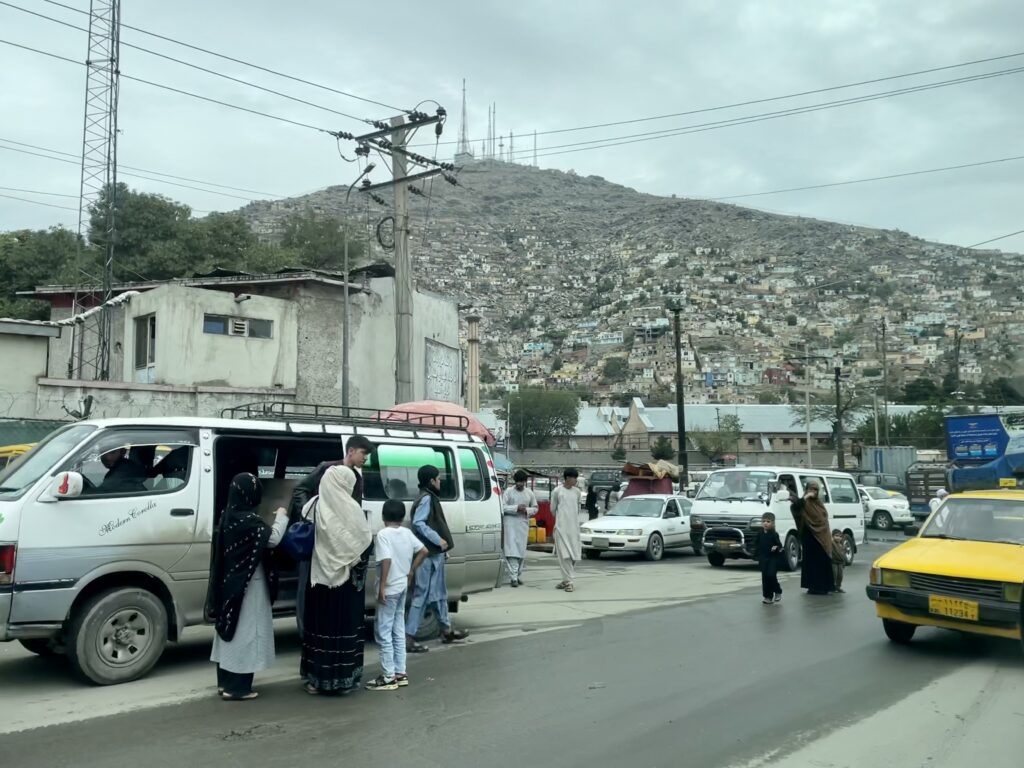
399	553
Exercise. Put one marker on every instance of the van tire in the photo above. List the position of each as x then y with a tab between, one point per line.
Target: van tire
430	627
849	548
791	553
899	632
717	559
41	646
117	636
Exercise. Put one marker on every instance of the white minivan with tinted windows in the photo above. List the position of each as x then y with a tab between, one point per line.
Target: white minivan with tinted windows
109	572
726	514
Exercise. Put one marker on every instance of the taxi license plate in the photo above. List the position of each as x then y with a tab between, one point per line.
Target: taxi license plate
600	543
953	608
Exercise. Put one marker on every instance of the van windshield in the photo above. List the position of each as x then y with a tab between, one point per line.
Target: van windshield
736	485
27	469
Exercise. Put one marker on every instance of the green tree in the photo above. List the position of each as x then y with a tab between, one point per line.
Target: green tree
852	408
319	241
539	416
662	449
791	320
714	444
921	391
618	453
768	397
32	258
487	373
614	370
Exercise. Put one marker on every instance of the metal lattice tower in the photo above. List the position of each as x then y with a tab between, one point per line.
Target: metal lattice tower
464	149
99	182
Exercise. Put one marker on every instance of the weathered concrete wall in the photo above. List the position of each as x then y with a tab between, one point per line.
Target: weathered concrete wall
186	356
122	400
23	359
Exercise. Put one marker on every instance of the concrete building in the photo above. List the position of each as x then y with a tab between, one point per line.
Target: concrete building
24	350
196	346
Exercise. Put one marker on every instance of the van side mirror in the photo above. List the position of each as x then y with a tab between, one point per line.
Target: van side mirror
66	485
911	530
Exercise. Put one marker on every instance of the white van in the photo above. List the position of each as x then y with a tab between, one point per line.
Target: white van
727	511
109	577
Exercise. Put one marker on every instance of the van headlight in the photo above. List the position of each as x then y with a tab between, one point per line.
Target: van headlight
1012	592
895	578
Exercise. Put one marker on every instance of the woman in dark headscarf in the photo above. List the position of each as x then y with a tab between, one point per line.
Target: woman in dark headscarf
816	540
243	588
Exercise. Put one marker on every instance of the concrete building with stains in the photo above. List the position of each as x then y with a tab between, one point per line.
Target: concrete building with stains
196	346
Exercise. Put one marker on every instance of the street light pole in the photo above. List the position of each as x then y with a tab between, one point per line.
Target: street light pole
837	363
346	335
680	412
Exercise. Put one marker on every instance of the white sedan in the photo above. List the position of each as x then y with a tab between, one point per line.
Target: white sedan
882	510
648	524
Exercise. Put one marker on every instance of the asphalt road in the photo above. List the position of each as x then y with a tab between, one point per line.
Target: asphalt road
715	681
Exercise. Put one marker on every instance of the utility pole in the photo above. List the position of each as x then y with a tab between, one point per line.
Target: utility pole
876	415
958	338
680	412
885	381
807	402
403	267
840	460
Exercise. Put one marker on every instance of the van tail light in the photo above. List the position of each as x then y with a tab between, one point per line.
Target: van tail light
8	553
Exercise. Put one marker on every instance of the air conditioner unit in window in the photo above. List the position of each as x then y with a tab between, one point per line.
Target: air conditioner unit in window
239	327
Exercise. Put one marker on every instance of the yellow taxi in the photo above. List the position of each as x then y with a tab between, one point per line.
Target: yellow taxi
8	453
964	570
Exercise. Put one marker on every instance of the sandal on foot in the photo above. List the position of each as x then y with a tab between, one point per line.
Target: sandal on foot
562	585
454	636
416	648
312	690
247	697
570	588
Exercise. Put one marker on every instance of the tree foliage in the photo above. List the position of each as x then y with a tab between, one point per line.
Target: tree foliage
714	444
662	449
852	407
538	417
615	370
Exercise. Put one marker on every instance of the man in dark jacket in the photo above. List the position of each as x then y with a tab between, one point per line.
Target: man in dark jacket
124	474
357	451
430	526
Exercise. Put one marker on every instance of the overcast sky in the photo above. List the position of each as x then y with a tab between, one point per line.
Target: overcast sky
548	66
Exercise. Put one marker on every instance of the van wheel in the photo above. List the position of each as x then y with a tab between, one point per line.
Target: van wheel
117	635
791	549
849	548
717	559
882	521
41	646
430	627
655	547
898	631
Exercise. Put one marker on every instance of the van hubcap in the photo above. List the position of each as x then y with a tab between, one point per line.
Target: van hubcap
124	638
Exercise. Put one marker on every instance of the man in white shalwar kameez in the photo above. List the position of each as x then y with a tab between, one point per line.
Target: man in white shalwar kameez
565	507
518	505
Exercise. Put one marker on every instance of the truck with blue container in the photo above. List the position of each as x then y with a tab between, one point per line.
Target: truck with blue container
986	450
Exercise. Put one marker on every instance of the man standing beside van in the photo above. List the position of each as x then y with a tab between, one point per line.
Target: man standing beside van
430	527
518	505
357	451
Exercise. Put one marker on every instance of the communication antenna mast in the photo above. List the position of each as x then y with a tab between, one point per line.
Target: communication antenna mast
511	147
535	149
464	150
99	182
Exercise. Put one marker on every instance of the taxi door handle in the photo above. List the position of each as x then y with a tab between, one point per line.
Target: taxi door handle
182	512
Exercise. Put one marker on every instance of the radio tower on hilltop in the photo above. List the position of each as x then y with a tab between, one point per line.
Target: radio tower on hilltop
464	152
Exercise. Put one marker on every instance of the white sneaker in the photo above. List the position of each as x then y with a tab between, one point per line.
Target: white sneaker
778	598
766	601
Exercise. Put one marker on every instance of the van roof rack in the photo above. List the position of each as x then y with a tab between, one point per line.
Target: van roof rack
378	418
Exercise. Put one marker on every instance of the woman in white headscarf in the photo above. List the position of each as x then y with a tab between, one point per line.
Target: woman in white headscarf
332	638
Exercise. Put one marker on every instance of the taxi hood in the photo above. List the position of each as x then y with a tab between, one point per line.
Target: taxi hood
960	559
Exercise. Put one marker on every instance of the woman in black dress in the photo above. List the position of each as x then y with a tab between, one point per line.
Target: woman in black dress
816	540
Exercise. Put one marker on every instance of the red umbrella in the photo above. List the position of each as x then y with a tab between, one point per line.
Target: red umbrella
432	413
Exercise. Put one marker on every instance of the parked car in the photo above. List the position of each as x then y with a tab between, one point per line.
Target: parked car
647	524
883	510
963	571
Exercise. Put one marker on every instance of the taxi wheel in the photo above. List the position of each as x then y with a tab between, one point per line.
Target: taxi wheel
655	547
882	521
717	559
898	631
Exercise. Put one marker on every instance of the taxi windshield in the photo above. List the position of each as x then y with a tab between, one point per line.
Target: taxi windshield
994	520
633	507
736	485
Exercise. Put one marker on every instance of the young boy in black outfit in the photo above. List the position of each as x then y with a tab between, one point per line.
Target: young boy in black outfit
768	549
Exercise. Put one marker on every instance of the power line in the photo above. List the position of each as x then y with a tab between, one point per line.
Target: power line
994	239
193	66
144	170
614	141
38	202
180	91
132	175
872	178
294	78
37	192
751	102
